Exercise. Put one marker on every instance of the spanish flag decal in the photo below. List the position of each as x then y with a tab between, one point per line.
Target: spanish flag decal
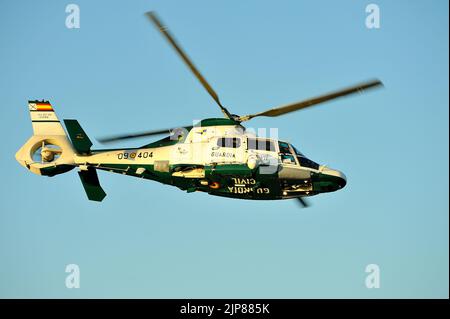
40	106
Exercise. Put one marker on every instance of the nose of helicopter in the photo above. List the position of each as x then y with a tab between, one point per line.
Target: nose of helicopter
330	180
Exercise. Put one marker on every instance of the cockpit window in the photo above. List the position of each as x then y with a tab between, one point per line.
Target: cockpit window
297	152
304	161
260	144
284	147
232	142
286	155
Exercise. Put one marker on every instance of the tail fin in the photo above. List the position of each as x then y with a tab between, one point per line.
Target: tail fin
44	119
91	184
79	138
48	151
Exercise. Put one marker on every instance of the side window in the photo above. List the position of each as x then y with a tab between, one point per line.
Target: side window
260	144
285	154
284	148
232	142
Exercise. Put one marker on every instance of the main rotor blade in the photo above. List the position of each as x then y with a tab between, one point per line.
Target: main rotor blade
115	138
359	88
165	32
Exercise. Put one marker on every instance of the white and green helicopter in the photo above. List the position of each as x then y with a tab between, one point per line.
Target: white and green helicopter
217	155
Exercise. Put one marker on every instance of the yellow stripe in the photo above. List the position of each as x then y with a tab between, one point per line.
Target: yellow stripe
44	108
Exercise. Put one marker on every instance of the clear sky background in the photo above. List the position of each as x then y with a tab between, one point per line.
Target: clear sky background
116	74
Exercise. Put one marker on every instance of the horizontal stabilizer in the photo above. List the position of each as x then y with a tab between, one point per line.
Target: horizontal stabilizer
91	185
80	141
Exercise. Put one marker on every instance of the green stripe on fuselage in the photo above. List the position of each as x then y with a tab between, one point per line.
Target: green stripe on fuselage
234	180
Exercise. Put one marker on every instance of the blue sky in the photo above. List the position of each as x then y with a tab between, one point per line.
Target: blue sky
116	74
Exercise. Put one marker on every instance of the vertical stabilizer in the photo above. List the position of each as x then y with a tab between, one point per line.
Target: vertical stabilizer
44	119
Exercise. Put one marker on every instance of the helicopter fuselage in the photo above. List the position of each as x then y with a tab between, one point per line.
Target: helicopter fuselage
219	157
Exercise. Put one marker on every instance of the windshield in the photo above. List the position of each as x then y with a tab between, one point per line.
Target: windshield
297	151
304	161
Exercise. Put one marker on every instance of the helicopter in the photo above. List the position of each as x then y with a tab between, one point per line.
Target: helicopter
218	156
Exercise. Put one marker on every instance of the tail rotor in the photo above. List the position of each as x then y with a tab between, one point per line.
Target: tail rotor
46	153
